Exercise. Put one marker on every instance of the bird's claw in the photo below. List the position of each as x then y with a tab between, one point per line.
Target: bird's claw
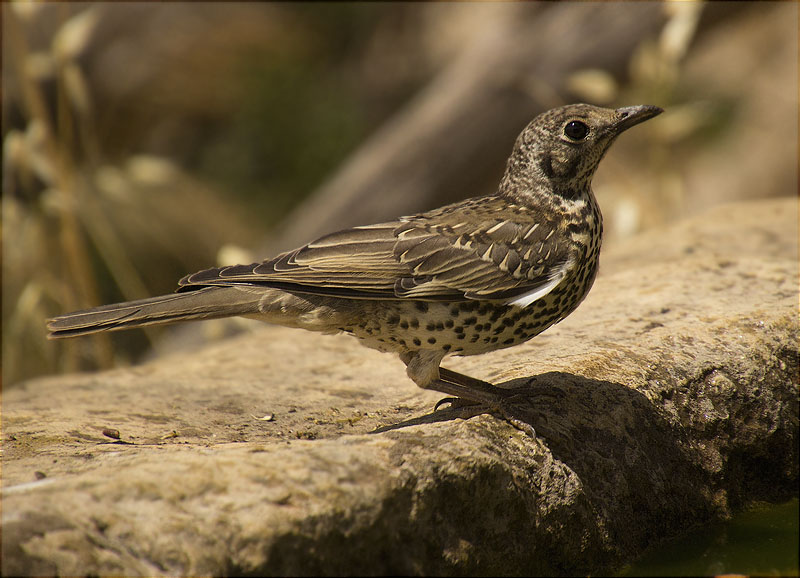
466	408
454	403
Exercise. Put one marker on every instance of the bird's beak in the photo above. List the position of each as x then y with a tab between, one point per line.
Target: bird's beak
632	115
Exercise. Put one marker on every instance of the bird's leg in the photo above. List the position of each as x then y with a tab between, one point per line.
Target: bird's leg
451	376
471	396
477	397
463	395
471	390
423	368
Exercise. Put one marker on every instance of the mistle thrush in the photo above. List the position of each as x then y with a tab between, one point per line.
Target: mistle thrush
475	276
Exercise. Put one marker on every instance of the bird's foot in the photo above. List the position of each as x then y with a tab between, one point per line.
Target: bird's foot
459	407
471	397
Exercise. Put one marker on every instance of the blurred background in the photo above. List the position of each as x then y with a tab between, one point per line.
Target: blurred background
142	142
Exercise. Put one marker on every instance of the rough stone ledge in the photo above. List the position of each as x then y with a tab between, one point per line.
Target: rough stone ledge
668	399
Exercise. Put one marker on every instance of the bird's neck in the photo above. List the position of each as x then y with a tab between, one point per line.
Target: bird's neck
575	198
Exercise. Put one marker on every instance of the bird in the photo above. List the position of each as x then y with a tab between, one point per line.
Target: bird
475	276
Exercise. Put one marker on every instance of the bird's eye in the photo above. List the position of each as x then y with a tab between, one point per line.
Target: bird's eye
576	130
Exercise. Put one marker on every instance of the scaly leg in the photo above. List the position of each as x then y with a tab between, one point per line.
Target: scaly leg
467	390
474	397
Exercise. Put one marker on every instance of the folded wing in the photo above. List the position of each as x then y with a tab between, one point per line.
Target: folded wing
449	254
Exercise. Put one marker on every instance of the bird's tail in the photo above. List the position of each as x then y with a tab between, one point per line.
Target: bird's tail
205	303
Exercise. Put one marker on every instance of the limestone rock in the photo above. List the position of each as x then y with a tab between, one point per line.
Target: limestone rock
667	400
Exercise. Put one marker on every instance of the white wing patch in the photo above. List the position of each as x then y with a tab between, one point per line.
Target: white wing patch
536	294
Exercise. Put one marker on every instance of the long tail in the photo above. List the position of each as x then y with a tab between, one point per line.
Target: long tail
205	303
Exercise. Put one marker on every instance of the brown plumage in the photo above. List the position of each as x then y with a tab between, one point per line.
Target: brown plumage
471	277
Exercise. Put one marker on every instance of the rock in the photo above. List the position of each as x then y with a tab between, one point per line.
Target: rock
667	400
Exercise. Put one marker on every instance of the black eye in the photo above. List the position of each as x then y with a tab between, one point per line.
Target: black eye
576	130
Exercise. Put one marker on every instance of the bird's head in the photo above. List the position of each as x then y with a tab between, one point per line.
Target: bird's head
558	152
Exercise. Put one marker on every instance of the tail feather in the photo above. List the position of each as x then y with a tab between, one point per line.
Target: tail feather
205	303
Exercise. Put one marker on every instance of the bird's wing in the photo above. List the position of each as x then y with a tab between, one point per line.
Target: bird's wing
459	252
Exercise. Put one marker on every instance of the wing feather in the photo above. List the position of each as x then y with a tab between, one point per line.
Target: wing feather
459	252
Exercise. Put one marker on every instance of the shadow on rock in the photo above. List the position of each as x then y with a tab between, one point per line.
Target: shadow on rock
633	463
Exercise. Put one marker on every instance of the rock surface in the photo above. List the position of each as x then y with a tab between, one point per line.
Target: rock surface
668	399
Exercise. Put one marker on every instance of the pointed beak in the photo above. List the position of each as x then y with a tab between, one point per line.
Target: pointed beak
632	115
